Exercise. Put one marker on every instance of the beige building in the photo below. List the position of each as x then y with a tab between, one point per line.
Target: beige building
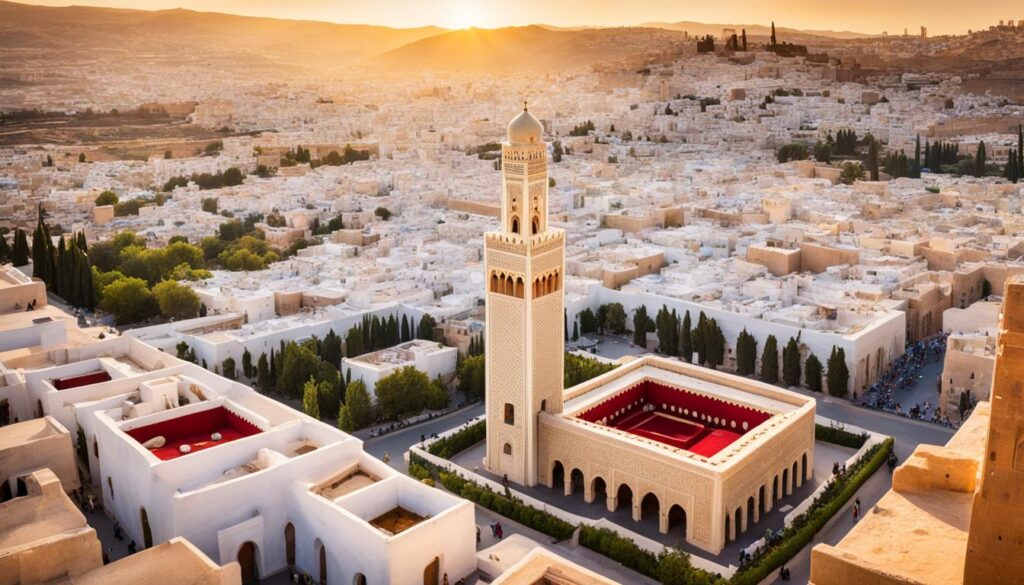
953	514
708	453
40	443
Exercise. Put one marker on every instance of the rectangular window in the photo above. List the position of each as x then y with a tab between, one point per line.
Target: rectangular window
510	414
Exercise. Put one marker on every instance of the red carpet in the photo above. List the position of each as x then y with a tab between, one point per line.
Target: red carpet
678	418
195	430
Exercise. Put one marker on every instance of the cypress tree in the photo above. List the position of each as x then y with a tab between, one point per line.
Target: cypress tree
60	275
979	160
917	157
1020	151
575	331
5	249
699	339
812	373
20	250
838	376
686	339
715	344
770	360
873	159
746	353
406	334
791	363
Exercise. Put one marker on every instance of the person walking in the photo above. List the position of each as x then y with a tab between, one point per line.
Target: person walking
478	534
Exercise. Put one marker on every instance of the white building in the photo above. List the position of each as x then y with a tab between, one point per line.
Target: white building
429	357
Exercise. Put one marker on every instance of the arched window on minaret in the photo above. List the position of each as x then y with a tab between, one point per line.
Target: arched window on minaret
535	225
494	282
520	285
515	225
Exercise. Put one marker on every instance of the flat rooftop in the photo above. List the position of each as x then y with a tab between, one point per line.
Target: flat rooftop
396	520
198	430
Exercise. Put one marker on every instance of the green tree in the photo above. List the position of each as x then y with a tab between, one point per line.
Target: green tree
20	249
357	411
642	324
402	393
382	212
106	198
472	376
437	396
210	204
330	350
746	354
579	369
129	300
791	151
176	301
700	338
823	152
296	364
812	373
247	369
263	379
233	177
852	171
311	398
354	342
615	318
873	159
686	339
714	344
588	322
838	376
980	160
770	360
228	369
791	363
426	328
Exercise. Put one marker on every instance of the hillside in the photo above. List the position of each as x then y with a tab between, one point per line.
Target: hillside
758	30
75	28
527	48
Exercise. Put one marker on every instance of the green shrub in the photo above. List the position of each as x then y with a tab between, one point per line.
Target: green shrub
839	436
458	442
618	548
806	525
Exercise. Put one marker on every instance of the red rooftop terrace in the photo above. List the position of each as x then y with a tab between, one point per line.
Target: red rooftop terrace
197	430
675	417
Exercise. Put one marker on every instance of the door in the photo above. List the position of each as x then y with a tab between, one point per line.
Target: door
247	560
431	575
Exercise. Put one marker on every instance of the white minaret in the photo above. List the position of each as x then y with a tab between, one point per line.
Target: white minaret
524	265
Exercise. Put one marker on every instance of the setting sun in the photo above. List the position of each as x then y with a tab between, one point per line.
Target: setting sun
463	14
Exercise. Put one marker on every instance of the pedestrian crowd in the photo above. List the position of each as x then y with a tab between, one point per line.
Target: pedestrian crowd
903	374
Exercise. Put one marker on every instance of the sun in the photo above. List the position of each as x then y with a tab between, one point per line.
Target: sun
460	14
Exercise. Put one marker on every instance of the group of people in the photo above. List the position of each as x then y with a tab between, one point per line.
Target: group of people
30	307
85	500
903	374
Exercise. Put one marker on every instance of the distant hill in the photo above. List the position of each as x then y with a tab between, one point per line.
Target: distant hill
70	28
527	48
784	34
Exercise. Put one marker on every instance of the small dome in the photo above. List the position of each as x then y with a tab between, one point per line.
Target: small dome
525	129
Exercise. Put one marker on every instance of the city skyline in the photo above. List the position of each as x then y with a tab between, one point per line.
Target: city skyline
874	16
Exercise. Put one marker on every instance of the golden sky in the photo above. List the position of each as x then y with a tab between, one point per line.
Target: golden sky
869	16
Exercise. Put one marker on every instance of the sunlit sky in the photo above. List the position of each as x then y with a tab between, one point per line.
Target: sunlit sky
869	16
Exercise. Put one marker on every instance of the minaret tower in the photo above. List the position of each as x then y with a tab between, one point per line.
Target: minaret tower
524	265
995	543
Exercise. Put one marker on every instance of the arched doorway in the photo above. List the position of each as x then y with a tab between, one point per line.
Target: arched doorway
147	531
804	465
775	488
359	579
738	521
728	534
785	481
289	544
750	511
677	517
760	502
624	497
649	506
432	573
796	477
322	554
5	491
599	489
576	481
558	476
247	560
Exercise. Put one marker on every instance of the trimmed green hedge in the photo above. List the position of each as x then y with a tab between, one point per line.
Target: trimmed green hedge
806	525
459	441
839	436
511	508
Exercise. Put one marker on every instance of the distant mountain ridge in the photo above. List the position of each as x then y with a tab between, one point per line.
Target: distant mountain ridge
701	29
90	28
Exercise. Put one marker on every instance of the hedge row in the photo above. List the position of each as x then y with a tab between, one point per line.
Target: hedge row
459	441
806	525
839	436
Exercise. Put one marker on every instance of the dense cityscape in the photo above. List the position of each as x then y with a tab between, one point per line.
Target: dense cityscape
298	302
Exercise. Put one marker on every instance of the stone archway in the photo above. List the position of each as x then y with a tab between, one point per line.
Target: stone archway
558	476
289	544
649	506
576	482
624	496
677	518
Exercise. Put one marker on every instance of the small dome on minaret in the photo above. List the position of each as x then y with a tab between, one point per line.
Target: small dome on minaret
525	129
